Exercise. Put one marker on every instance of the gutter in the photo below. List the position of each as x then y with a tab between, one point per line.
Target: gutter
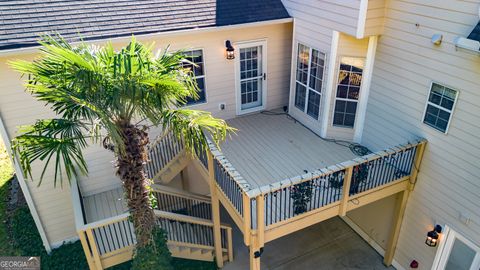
34	49
26	192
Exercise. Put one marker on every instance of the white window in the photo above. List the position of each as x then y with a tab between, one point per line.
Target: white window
309	80
456	253
348	91
196	57
440	104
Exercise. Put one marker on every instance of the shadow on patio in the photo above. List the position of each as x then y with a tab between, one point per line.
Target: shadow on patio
330	244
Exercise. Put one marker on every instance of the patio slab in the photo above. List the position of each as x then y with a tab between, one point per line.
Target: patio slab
331	244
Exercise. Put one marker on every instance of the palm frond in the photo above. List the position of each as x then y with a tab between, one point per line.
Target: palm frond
192	126
54	140
98	89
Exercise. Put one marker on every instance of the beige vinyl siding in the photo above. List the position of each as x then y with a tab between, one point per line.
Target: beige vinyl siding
375	18
348	46
339	15
377	227
19	108
448	186
220	72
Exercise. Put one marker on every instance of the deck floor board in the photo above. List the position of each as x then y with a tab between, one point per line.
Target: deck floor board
270	148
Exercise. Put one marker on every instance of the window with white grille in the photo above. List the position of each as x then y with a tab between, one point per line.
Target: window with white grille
440	104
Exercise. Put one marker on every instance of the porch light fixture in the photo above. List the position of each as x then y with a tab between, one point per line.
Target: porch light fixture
432	236
230	50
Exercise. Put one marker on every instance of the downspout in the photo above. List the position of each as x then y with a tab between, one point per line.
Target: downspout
26	192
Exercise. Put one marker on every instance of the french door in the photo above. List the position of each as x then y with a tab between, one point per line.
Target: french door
251	76
457	253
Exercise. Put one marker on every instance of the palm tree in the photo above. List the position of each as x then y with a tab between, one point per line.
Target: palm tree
112	98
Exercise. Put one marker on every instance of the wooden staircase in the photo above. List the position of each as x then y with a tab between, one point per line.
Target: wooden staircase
189	232
167	158
185	217
172	169
194	253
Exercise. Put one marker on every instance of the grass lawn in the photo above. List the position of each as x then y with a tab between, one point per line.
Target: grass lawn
6	173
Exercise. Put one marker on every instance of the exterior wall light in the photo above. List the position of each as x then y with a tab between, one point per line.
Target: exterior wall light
230	50
432	236
437	39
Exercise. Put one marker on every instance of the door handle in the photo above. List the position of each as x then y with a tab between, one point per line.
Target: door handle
264	76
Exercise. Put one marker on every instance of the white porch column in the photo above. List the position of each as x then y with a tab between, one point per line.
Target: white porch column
365	88
332	63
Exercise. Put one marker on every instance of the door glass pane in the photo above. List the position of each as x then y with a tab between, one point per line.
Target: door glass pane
251	77
461	257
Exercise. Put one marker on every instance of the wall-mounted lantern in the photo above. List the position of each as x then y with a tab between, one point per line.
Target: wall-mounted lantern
230	50
432	236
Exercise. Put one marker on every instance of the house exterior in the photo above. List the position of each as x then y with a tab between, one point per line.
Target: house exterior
389	75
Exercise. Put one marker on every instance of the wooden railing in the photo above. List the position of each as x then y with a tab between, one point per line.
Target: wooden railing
111	241
181	202
163	150
258	211
289	201
333	185
267	207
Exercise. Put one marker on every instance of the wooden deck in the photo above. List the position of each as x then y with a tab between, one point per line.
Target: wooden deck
104	205
271	148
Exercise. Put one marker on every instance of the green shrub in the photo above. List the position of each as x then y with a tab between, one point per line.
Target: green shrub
155	255
25	234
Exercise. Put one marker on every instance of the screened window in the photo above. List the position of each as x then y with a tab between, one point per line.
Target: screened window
309	80
348	91
196	57
439	107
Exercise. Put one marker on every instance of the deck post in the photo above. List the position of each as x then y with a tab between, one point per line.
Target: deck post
254	260
230	244
95	253
217	236
260	221
398	219
347	181
246	219
416	164
86	250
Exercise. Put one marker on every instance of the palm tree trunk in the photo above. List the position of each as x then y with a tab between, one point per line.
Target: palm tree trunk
130	169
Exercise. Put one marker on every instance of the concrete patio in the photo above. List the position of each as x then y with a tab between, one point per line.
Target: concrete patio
331	244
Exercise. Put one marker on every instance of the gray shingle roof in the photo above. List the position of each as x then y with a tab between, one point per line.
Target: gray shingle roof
475	34
23	21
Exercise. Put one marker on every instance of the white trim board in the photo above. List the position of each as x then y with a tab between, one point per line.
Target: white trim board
330	83
365	88
362	19
293	68
26	192
66	241
370	241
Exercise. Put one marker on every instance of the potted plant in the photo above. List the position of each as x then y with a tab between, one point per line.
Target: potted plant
301	195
